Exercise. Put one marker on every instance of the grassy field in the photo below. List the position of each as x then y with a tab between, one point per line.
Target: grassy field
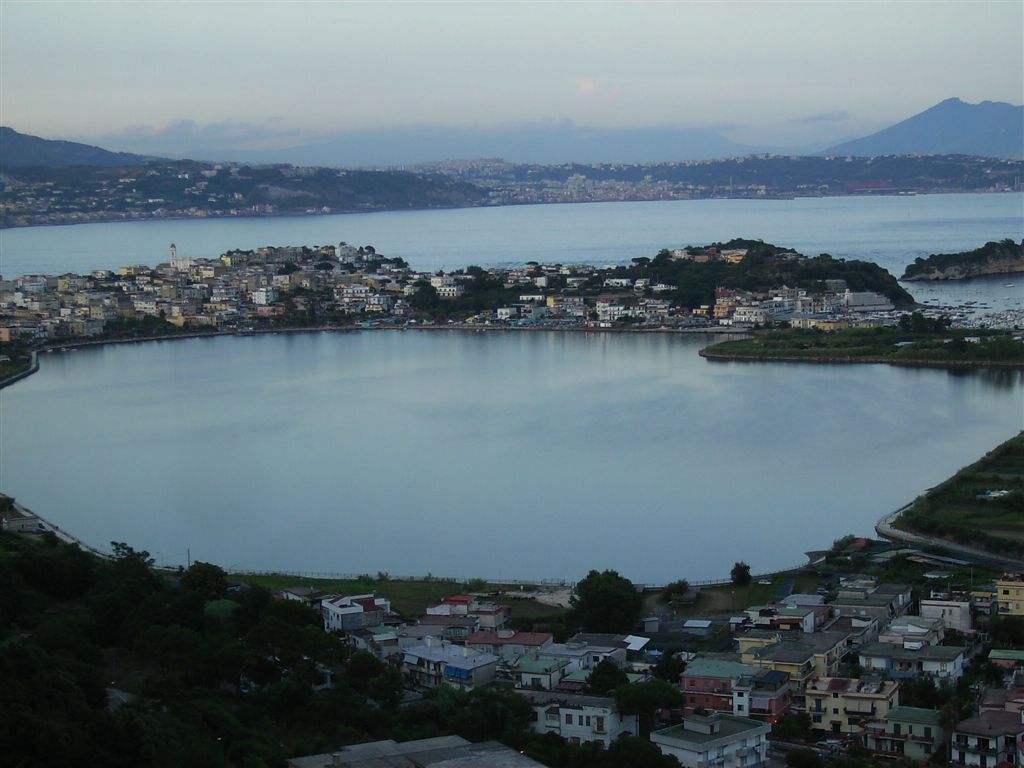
729	598
409	598
954	510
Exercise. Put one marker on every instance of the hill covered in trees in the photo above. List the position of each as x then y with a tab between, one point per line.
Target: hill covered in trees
764	267
993	258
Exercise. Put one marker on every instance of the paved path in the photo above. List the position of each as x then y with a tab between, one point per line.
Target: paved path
887	530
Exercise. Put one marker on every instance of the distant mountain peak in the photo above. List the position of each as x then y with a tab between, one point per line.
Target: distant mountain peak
951	127
21	150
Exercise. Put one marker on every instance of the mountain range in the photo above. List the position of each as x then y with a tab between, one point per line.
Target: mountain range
988	129
951	127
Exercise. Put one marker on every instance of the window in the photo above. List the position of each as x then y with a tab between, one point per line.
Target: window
927	732
739	707
599	724
897	729
588	720
568	719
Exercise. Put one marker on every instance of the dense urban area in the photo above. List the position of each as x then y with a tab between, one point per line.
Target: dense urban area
39	195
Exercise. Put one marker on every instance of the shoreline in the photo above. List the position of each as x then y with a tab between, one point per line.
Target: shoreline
887	529
65	346
828	360
296	215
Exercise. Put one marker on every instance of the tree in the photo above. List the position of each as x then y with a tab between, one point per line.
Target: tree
206	579
606	677
674	591
607	602
740	574
644	699
634	752
669	668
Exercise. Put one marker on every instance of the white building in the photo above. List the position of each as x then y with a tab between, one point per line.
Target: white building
955	614
719	740
347	613
578	718
896	661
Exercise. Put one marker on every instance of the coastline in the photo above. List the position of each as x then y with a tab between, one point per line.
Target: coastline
85	343
707	354
886	528
303	215
16	377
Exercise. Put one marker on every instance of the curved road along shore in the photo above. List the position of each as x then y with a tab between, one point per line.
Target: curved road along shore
887	530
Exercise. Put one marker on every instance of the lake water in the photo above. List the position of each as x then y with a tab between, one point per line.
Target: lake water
500	455
891	231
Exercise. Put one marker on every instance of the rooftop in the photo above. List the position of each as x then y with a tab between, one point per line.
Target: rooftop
729	727
509	638
715	668
914	715
999	654
926	653
992	724
540	698
540	665
456	656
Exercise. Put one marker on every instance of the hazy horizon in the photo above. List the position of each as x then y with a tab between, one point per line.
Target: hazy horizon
184	79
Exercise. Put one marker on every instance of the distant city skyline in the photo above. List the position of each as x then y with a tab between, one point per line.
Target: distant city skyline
177	78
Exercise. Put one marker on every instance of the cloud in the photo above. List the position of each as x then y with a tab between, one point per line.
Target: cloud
839	116
184	134
602	91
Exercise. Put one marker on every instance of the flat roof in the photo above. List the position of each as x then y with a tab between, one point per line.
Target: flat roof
538	665
914	715
928	652
702	667
1005	655
540	698
730	727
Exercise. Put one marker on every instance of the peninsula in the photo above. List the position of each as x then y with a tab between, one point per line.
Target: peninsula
993	258
915	341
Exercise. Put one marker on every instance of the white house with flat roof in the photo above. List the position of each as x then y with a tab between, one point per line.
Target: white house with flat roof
722	741
579	718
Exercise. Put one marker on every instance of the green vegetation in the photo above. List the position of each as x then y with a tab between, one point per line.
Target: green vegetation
764	267
982	505
967	263
896	345
607	602
18	359
408	598
110	662
740	574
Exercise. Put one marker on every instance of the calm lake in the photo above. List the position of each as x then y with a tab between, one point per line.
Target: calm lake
891	231
499	455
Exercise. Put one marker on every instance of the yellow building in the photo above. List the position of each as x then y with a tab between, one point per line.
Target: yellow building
845	705
810	656
1010	594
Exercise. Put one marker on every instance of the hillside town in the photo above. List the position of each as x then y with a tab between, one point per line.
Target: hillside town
846	667
345	285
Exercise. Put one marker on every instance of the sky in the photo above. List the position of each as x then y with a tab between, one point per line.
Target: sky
172	76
